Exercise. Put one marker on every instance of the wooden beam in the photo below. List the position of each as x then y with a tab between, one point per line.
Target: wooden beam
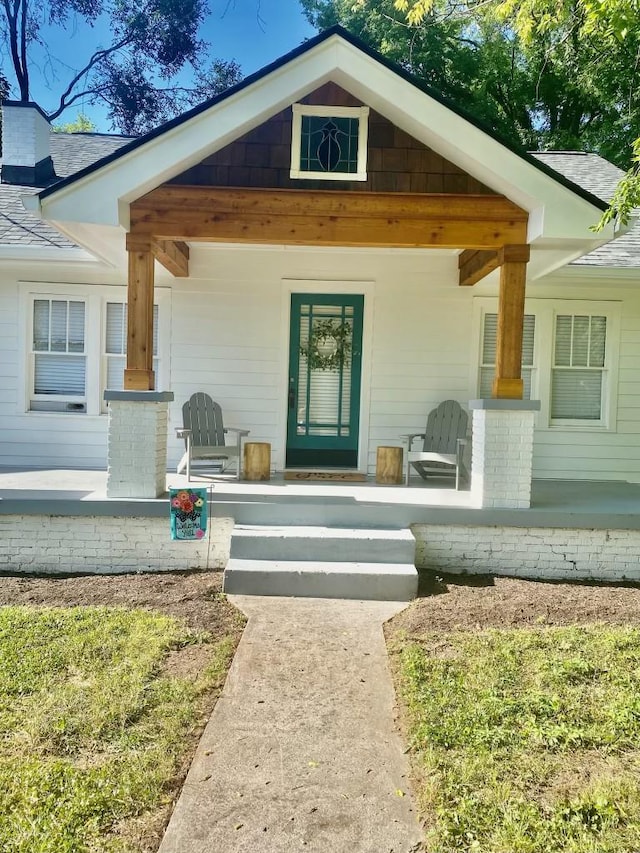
138	374
328	218
508	378
173	255
475	265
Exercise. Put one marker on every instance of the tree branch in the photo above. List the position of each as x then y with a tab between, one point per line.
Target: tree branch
11	11
97	92
23	44
97	57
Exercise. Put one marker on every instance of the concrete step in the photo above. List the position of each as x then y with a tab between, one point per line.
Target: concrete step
310	579
304	510
324	544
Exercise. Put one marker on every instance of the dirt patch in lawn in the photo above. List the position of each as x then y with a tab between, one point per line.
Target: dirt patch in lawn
194	596
446	602
449	602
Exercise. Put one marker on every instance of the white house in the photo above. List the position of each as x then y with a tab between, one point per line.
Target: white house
328	184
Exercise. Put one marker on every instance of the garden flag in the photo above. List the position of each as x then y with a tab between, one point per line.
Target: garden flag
188	513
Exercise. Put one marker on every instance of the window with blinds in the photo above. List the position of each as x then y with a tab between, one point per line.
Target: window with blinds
488	354
58	352
324	396
116	344
577	376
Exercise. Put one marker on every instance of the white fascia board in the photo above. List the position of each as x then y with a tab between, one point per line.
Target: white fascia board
102	244
602	274
557	211
45	254
553	256
102	197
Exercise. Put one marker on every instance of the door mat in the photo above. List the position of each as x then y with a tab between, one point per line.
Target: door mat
344	476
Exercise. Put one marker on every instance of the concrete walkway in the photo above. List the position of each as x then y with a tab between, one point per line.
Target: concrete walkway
301	752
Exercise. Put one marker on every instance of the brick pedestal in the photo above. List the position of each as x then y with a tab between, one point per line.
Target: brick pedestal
502	452
137	455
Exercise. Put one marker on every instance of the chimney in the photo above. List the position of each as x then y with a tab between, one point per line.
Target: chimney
26	153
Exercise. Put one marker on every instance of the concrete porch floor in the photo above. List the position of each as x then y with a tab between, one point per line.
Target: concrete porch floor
555	503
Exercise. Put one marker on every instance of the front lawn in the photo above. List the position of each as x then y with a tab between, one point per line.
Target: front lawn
524	740
98	707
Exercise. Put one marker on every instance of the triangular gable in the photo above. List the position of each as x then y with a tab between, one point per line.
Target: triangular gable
559	211
396	162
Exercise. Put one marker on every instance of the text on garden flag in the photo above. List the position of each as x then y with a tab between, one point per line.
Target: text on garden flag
188	508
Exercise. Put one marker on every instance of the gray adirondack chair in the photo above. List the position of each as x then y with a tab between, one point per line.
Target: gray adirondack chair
443	443
204	434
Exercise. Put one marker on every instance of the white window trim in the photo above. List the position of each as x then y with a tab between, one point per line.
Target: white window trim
70	400
361	113
609	406
95	298
161	298
545	311
482	365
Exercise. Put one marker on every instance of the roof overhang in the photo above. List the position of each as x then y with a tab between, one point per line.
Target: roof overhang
561	216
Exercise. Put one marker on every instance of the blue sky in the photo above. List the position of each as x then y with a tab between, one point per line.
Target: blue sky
253	32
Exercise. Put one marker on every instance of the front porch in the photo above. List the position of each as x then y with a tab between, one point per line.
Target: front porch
582	504
61	522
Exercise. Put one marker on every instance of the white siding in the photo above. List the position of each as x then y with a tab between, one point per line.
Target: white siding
228	337
226	342
35	439
593	453
230	332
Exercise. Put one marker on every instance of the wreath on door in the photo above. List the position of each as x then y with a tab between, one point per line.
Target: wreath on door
328	346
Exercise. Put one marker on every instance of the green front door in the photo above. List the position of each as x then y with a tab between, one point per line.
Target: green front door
325	359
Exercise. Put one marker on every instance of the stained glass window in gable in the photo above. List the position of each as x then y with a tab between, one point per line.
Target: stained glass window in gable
329	142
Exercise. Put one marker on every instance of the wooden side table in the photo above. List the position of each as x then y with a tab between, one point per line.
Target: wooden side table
257	460
389	466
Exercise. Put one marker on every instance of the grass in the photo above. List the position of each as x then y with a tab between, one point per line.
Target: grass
92	731
526	741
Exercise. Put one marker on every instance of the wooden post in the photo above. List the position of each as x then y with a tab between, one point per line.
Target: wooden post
138	374
513	272
389	466
257	460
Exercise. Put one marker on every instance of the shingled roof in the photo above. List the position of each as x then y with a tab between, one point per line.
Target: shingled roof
70	152
599	177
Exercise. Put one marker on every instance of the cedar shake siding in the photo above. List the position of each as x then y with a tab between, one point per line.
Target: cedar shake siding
396	162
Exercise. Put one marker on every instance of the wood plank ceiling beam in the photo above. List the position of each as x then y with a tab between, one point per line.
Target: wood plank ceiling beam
326	218
173	255
474	265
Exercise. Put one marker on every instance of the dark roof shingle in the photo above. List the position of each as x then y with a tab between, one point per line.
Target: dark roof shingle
69	152
599	177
